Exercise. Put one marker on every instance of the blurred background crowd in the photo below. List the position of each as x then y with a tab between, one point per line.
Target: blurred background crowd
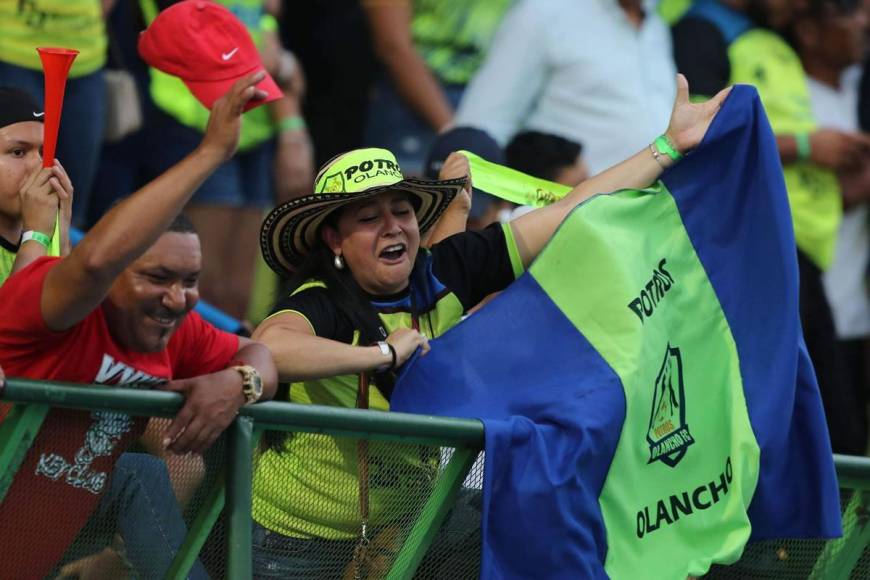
560	89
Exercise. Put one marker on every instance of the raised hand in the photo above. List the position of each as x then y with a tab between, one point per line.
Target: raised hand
456	166
225	121
690	121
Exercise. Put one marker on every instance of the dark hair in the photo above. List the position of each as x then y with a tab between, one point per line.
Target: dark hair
181	225
348	298
820	9
541	154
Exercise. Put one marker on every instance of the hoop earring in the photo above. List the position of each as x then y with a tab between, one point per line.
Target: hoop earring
338	262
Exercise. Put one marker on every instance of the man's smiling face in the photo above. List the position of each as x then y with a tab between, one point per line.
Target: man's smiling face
149	300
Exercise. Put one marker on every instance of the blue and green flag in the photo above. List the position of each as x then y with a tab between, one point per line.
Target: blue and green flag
648	399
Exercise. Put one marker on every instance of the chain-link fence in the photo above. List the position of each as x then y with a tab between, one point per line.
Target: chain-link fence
315	492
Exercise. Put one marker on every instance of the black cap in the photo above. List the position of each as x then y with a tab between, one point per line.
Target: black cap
470	139
18	107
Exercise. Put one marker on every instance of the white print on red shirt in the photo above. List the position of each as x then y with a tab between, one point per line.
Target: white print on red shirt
101	437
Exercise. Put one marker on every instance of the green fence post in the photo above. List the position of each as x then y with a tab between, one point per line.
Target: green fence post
839	556
240	458
17	432
199	530
434	512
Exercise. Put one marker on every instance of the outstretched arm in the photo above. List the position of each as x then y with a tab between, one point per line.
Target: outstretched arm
688	125
391	31
74	287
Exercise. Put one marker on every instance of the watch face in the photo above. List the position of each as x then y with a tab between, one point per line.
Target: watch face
257	385
252	384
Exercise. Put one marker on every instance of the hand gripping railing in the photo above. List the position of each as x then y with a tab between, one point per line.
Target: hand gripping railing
33	399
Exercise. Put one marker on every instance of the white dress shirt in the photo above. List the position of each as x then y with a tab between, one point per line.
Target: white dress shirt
579	69
844	281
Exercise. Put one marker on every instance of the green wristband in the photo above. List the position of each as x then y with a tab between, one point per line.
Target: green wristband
804	149
38	237
666	147
291	124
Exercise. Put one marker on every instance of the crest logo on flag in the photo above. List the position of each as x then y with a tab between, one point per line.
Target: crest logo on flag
668	435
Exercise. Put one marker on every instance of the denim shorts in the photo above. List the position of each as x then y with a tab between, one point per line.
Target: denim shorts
392	125
243	181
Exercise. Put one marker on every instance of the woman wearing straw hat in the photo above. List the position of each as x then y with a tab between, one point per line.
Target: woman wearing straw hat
363	297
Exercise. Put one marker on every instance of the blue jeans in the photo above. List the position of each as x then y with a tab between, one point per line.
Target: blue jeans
392	125
277	556
81	126
139	505
454	553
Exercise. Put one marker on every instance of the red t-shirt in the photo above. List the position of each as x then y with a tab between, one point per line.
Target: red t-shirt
67	468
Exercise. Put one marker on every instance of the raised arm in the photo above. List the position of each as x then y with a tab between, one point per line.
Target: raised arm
455	218
74	287
301	355
390	21
688	125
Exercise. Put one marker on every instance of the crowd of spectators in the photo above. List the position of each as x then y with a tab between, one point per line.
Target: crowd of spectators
558	89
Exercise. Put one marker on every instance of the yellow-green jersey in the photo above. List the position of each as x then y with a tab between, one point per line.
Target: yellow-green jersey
78	24
764	59
9	251
308	486
452	36
715	46
171	95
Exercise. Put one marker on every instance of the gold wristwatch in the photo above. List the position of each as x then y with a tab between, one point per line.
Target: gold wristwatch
252	384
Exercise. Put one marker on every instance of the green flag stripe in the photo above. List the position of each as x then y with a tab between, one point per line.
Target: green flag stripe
687	462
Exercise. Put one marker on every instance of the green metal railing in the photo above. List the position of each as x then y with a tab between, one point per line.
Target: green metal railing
231	492
33	399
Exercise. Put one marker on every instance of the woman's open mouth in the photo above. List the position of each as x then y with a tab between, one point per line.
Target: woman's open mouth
393	254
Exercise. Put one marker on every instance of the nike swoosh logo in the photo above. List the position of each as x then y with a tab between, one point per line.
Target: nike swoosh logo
38	115
229	55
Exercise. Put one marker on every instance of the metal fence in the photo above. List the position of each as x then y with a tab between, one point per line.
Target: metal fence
432	533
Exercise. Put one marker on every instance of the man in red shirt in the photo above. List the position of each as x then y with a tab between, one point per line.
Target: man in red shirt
117	311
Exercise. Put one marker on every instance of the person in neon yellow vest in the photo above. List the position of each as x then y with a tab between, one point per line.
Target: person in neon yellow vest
721	42
362	298
31	197
430	50
830	38
274	161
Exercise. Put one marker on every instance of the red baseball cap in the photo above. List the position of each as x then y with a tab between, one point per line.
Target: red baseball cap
207	47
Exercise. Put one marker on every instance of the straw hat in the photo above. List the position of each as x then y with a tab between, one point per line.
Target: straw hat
290	232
